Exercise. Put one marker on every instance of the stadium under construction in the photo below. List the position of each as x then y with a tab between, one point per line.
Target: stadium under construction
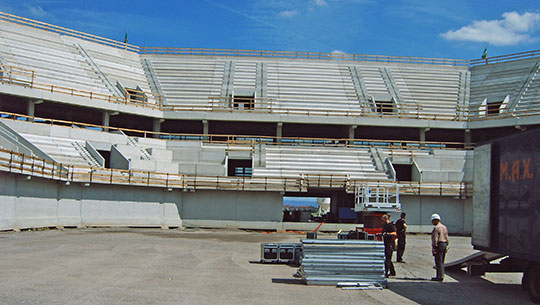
95	132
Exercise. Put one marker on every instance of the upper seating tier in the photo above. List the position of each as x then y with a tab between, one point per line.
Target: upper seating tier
54	61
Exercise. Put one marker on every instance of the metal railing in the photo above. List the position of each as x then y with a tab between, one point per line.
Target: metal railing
26	78
504	58
68	32
403	110
303	55
274	106
17	76
31	166
250	140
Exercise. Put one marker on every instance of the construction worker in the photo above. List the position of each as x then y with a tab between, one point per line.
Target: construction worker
439	245
389	238
401	228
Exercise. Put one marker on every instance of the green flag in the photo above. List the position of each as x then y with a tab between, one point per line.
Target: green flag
484	55
125	38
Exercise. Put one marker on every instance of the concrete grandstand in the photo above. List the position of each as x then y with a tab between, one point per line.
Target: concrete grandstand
95	132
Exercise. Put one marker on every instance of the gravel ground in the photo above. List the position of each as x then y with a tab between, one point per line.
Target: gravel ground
152	266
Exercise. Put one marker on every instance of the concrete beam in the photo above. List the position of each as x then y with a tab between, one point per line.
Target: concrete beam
385	121
61	98
506	122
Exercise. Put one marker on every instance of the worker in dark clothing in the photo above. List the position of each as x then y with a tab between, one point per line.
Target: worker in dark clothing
401	228
439	245
389	238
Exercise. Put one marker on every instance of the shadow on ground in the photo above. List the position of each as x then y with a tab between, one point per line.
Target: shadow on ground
289	281
467	290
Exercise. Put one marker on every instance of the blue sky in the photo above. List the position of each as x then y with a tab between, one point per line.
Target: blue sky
449	29
300	201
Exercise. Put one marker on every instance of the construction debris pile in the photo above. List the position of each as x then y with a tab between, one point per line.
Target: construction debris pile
333	262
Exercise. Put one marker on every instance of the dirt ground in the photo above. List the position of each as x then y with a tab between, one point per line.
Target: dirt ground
152	266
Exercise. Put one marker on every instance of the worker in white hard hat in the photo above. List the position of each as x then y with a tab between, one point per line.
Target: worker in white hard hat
439	245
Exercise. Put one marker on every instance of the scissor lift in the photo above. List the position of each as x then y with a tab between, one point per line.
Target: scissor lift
375	200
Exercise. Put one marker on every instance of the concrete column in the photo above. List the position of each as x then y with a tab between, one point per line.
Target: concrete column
468	138
106	120
352	128
423	134
157	127
334	204
279	132
31	107
205	127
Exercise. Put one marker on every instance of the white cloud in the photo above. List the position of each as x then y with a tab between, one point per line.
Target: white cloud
320	2
288	13
337	54
512	29
37	11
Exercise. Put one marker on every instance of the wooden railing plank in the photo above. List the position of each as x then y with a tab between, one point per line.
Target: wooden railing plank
17	163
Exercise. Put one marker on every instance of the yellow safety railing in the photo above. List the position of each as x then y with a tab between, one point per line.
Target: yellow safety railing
23	77
17	76
303	55
429	111
68	32
504	58
21	164
248	140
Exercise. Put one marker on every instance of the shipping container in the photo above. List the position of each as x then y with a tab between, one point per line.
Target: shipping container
506	204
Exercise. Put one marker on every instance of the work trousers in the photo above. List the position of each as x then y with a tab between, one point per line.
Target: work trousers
440	254
400	248
388	265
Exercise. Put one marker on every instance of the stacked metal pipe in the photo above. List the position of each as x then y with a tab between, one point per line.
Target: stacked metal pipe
329	262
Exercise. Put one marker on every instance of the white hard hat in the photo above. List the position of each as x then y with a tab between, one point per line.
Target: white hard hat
435	216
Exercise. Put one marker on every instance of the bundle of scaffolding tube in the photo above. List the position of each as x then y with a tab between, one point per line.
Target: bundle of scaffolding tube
331	261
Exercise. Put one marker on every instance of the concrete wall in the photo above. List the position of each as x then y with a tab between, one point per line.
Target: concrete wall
481	233
36	202
232	205
269	225
118	160
456	214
